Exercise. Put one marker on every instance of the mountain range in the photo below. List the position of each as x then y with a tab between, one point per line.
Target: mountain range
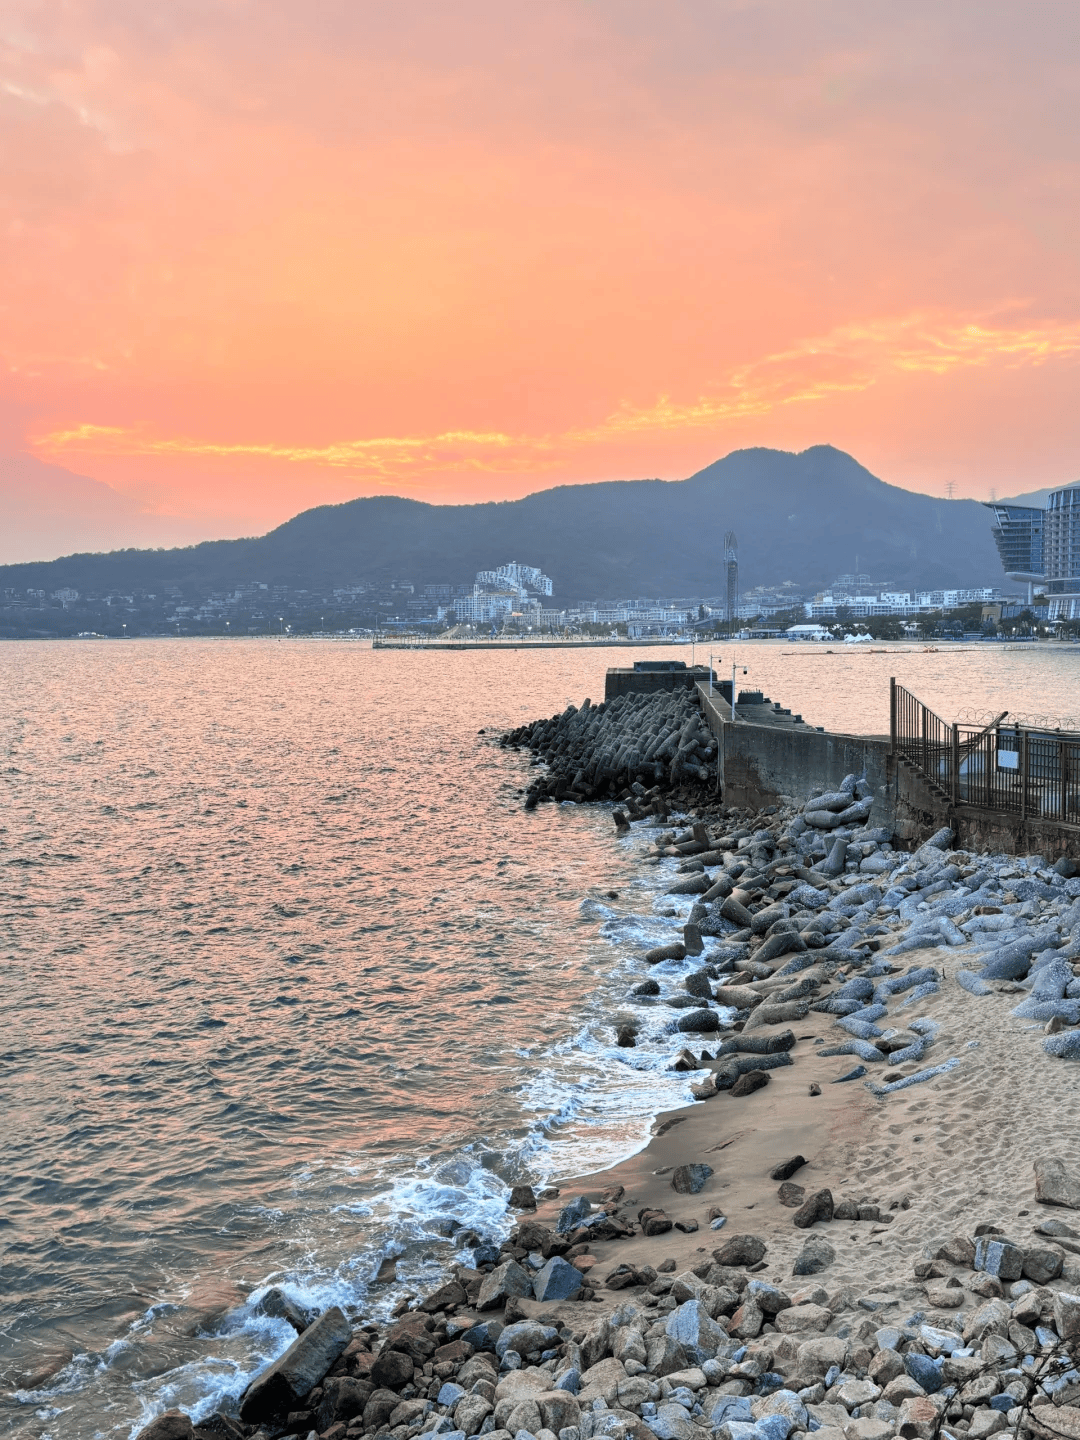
803	517
48	511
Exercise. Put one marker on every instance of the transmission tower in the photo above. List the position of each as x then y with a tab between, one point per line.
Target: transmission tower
731	560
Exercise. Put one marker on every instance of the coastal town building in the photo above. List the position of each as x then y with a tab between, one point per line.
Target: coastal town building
511	589
1041	547
862	607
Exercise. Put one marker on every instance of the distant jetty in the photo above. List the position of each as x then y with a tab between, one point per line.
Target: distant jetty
523	642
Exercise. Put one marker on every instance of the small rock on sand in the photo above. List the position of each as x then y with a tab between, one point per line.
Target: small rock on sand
816	1255
689	1179
741	1250
653	1222
818	1206
787	1168
1054	1185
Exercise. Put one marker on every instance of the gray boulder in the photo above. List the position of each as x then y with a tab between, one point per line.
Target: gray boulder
573	1215
698	1022
1065	1046
671	1422
691	1327
343	1399
997	1256
505	1280
173	1425
818	1206
471	1412
284	1383
1067	1315
816	1255
740	1250
276	1303
392	1370
991	1318
1054	1185
665	1356
597	1342
689	1179
768	1298
558	1280
525	1337
558	1409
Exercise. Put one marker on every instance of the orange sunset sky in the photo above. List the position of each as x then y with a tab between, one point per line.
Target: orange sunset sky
262	254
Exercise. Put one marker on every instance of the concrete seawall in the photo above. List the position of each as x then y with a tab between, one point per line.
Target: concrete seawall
763	755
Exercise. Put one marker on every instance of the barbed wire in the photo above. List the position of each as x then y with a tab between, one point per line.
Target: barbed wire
971	716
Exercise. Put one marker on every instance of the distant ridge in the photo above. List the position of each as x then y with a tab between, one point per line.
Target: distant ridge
1036	499
46	510
803	517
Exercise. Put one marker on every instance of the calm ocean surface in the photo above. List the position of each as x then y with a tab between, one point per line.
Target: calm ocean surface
292	983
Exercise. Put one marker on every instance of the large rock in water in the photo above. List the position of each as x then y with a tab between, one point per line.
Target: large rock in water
286	1382
1054	1185
173	1425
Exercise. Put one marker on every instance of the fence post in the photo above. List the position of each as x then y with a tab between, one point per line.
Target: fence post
1023	774
956	764
1063	777
924	758
892	713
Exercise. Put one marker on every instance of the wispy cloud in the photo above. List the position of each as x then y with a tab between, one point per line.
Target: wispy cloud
849	358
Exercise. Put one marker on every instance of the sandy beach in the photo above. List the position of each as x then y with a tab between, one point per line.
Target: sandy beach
938	1158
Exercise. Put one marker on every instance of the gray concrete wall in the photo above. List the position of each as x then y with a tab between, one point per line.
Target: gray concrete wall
919	812
649	682
758	763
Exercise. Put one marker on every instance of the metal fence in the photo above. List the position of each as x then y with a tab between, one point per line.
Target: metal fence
1032	773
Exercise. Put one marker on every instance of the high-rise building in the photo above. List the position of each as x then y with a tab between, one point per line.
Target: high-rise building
1043	547
1018	534
1061	548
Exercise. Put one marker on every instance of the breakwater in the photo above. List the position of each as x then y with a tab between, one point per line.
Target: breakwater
688	746
636	740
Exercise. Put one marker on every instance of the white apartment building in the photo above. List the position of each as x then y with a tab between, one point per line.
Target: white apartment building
824	607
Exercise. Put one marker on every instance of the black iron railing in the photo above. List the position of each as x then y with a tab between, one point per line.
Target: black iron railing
1028	772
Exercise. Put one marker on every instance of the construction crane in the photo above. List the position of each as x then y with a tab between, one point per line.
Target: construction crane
731	560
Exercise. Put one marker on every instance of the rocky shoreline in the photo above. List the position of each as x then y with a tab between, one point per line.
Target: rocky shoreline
806	953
